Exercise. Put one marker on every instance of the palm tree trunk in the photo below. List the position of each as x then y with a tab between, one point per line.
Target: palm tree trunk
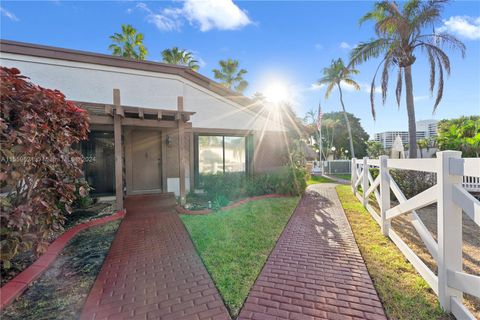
352	151
412	126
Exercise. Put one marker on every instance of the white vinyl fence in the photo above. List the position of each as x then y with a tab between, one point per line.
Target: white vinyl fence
451	197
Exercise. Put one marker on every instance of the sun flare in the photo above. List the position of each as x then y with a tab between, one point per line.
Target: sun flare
276	92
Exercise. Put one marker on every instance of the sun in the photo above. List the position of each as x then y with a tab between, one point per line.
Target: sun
276	92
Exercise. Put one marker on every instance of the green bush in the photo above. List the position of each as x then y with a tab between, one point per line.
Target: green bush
230	185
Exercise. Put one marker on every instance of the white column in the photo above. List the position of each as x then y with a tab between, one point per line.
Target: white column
365	181
449	217
384	194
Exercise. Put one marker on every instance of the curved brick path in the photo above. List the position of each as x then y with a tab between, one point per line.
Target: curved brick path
152	271
315	271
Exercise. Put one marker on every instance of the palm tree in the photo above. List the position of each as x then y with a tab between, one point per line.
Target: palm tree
423	144
180	57
399	38
128	44
230	76
334	76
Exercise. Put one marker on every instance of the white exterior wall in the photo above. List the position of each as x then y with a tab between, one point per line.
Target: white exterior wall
94	83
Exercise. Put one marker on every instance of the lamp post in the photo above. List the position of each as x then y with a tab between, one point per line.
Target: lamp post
333	151
346	154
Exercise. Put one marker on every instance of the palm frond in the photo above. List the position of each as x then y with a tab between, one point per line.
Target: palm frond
329	89
386	67
431	61
398	89
439	86
367	50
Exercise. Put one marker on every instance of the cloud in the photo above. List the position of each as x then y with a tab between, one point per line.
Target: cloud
345	45
464	26
318	46
206	15
8	14
419	98
315	87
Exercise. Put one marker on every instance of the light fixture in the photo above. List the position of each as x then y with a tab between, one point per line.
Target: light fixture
168	140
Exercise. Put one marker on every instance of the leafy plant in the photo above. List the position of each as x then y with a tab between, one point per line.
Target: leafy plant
180	57
40	170
461	134
400	30
128	44
230	76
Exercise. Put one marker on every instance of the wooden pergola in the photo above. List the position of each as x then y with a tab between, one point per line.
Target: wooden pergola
117	115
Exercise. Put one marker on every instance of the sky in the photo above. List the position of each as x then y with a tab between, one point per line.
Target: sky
282	42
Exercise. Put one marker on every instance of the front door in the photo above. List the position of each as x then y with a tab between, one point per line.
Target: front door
145	164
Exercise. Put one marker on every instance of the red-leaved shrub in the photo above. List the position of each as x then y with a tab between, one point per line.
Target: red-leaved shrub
40	170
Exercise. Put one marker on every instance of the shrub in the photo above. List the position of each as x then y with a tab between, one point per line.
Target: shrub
289	180
39	169
229	185
413	182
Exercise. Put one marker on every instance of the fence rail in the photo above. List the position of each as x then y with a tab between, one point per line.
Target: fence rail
456	176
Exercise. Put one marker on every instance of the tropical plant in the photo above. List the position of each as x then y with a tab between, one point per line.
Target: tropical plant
230	76
423	144
400	36
41	173
461	134
375	149
180	57
128	44
334	76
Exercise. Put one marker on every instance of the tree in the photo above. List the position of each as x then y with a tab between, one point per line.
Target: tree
41	171
334	76
230	76
180	57
400	36
461	134
423	144
128	44
375	149
334	132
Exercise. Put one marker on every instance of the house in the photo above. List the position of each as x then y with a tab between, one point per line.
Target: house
154	127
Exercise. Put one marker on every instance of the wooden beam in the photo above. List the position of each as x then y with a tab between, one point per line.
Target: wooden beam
140	113
117	133
100	119
108	110
149	123
116	103
181	151
159	114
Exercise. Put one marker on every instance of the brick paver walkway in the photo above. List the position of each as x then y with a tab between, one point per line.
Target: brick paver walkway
152	271
315	271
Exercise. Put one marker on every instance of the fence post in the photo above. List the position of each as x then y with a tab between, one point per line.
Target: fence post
449	217
354	175
365	181
384	194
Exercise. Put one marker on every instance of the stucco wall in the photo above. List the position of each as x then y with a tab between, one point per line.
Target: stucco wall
94	83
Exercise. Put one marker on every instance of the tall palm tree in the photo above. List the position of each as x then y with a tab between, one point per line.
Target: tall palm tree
334	76
230	76
180	57
128	44
400	36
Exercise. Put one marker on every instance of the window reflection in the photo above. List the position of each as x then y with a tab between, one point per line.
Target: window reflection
210	154
234	154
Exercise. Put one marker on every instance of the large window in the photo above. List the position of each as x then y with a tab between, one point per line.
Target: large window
219	154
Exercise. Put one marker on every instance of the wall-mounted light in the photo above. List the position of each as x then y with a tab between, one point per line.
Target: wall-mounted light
168	140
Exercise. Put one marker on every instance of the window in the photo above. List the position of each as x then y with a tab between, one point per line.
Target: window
219	154
99	162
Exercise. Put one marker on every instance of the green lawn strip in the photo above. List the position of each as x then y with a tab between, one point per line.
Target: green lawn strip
318	179
234	244
404	293
345	176
61	291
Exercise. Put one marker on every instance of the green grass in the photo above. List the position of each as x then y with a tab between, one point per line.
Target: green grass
318	179
402	290
344	176
234	244
61	291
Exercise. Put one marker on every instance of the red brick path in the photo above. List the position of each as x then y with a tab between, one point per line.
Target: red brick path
152	271
316	270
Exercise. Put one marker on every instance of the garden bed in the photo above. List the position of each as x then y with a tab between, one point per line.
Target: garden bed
60	292
78	216
234	244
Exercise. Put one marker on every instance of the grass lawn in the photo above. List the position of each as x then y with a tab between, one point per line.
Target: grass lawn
61	291
318	179
404	293
234	244
344	176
